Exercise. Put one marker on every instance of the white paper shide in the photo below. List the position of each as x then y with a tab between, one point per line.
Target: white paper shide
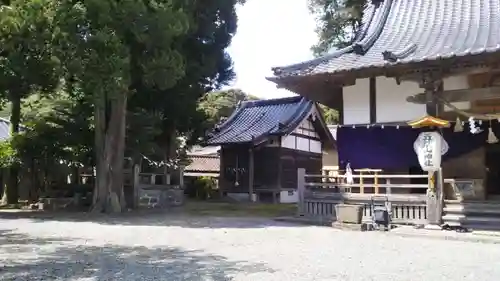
429	147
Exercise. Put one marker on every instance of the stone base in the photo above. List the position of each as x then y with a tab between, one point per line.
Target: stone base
433	227
349	226
346	213
360	226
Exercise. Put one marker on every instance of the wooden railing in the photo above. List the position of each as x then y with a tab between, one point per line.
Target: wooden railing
318	194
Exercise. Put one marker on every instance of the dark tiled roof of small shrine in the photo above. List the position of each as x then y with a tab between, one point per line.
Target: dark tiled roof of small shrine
412	31
254	120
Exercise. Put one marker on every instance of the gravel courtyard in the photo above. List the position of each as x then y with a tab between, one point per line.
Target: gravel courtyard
188	248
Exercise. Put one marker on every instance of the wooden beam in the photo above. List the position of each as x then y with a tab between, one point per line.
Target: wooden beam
341	107
460	95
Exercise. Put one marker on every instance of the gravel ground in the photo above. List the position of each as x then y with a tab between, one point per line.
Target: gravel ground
187	248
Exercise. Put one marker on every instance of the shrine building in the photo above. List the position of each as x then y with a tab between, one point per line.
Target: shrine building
264	142
410	59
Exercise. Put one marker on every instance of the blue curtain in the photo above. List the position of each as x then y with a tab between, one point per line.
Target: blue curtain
392	148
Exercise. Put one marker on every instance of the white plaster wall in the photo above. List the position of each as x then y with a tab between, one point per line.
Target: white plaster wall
291	196
303	144
356	103
391	100
457	83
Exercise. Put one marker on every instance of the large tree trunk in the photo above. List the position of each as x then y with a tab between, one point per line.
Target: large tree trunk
11	189
118	160
100	188
110	146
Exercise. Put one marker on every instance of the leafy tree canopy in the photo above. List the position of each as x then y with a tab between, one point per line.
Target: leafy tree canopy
337	23
221	104
331	115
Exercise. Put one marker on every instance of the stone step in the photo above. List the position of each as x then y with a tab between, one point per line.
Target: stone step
471	209
486	203
475	226
481	215
454	219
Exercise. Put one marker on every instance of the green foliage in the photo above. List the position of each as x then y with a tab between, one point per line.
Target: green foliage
27	62
58	130
208	67
111	45
204	187
60	59
331	115
219	105
8	154
337	23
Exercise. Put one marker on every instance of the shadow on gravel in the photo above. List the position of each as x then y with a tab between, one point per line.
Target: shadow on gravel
152	218
28	258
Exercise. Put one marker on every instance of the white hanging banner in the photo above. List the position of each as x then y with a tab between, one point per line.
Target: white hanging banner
348	174
429	147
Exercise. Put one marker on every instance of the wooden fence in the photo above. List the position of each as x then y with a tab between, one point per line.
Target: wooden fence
318	194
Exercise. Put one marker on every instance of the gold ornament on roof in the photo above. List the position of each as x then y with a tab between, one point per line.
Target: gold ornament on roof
429	121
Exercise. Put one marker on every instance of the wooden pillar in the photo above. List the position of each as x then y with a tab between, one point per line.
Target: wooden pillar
277	194
181	177
361	183
301	188
341	107
373	100
222	173
135	182
376	189
250	174
433	84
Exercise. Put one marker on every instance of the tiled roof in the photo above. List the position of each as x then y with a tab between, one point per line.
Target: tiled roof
199	150
407	31
203	163
254	120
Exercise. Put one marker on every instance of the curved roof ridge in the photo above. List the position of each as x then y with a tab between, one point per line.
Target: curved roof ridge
236	112
294	121
373	10
422	33
263	102
366	21
362	46
256	120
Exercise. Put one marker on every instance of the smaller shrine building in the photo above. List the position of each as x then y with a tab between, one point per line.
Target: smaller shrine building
264	142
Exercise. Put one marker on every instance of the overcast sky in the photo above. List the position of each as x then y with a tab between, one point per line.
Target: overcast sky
270	33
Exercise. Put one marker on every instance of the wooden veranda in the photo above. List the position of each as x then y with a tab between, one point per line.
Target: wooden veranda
320	193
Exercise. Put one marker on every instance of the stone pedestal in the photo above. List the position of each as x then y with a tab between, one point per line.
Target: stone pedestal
432	227
349	213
